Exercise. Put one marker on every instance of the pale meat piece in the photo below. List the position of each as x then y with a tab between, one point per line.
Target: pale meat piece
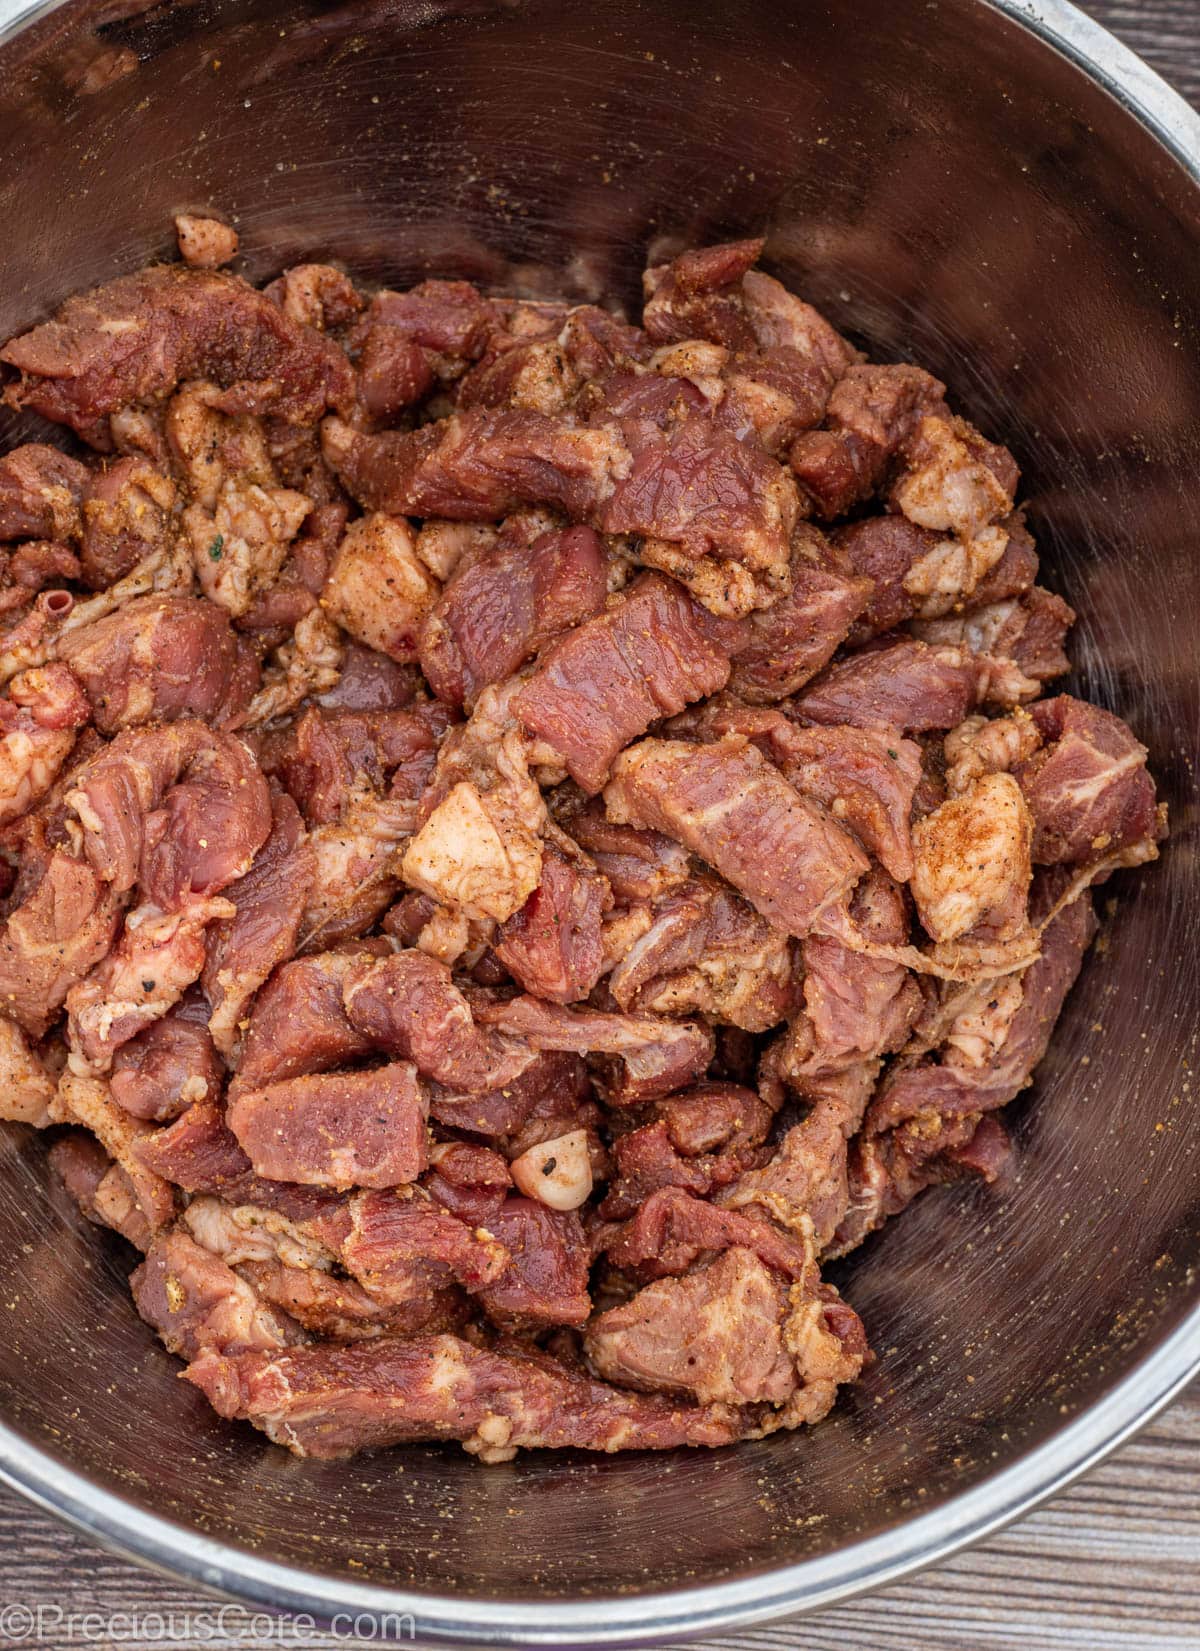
101	1188
378	589
309	662
648	656
26	1083
315	295
205	243
87	1101
972	865
326	1402
952	480
728	804
135	339
1030	629
61	928
980	746
872	412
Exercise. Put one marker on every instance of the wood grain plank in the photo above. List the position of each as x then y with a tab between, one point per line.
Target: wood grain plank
1111	1565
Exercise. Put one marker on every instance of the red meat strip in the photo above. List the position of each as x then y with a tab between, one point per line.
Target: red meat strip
656	1056
554	1084
332	1401
61	929
672	1230
546	1279
299	1024
909	686
270	899
728	804
499	608
199	1305
139	336
638	865
603	685
126	518
408	1006
401	1247
335	1129
328	758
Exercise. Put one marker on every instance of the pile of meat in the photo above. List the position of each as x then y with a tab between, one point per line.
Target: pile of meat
523	836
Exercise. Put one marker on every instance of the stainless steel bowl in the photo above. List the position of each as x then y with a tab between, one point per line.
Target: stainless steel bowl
1003	194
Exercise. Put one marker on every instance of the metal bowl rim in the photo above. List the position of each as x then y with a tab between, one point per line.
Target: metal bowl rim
179	1551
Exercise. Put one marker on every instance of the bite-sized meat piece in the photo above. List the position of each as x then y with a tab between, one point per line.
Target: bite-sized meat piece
156	959
910	686
443	546
553	946
646	657
884	549
327	758
126	517
335	1129
38	724
327	1402
478	465
100	1188
205	243
62	928
714	1117
298	1024
888	1171
315	295
673	1229
393	372
355	878
706	950
36	565
239	544
866	777
500	607
269	902
728	804
806	1178
954	481
178	809
401	1245
378	589
546	1279
872	412
309	662
341	1310
136	338
478	853
729	1333
27	1084
201	1154
87	1101
1088	788
699	295
716	512
767	396
857	1007
472	1181
983	1071
408	1006
40	493
370	681
160	658
921	574
980	746
653	1057
1030	629
199	1305
781	647
159	1073
532	372
449	319
971	864
639	865
651	1158
554	1085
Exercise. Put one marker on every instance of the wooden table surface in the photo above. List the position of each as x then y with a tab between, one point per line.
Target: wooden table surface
1111	1565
